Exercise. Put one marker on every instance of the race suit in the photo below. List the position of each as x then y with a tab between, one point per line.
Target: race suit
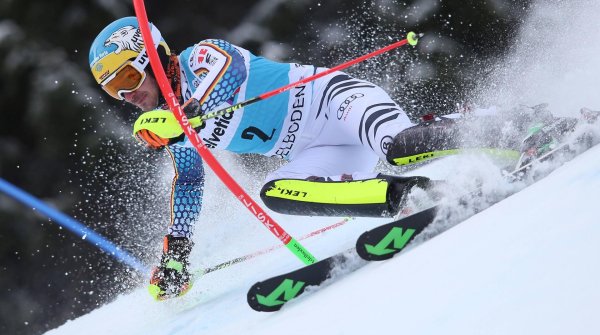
334	128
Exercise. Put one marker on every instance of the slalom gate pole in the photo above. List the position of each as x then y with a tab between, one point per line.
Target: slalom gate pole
411	38
292	244
73	225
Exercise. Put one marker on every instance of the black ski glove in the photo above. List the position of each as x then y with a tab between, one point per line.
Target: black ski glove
171	278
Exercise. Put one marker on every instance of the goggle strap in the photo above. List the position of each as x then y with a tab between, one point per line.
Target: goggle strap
156	36
141	61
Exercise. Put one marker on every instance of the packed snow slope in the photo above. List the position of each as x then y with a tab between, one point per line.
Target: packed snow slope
527	265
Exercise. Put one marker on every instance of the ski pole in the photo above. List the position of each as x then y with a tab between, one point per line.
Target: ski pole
292	244
255	254
411	38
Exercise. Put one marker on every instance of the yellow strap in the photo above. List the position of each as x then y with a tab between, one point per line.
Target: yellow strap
424	157
162	123
371	191
501	153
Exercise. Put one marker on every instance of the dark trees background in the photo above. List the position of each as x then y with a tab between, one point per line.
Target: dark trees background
62	140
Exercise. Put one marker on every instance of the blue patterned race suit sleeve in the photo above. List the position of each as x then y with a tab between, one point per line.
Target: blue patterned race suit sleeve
214	69
187	190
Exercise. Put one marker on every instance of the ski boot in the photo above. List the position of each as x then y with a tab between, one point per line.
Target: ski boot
544	138
588	115
400	187
171	278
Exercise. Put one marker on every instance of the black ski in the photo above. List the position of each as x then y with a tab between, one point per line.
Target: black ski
271	294
383	242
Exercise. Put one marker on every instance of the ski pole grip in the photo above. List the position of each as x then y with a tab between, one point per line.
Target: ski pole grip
413	38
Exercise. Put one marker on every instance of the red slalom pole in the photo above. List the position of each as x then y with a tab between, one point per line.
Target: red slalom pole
292	244
411	38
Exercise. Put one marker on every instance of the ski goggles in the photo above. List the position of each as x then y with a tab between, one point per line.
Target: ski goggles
128	78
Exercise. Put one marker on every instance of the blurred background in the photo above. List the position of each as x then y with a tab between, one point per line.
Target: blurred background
65	141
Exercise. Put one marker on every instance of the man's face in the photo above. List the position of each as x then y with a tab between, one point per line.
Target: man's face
146	96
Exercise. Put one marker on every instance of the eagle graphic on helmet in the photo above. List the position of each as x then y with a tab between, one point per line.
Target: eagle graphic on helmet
118	43
126	38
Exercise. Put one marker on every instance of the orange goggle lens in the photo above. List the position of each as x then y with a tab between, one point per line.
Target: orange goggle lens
124	80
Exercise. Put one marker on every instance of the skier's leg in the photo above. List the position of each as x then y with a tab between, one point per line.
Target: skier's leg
364	114
361	113
358	112
486	130
171	278
321	181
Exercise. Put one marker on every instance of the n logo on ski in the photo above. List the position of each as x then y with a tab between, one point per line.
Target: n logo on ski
394	241
383	242
287	290
270	295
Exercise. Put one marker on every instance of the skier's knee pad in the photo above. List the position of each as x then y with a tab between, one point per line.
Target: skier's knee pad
377	197
424	142
327	198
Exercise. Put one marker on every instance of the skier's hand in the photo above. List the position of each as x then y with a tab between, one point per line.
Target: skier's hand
150	139
191	108
167	281
159	128
171	278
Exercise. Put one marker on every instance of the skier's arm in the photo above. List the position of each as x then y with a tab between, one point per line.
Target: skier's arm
159	128
171	278
187	190
217	70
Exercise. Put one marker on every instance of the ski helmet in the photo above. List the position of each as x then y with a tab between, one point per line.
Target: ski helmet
118	57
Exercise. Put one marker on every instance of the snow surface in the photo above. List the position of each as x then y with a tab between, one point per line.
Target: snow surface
527	265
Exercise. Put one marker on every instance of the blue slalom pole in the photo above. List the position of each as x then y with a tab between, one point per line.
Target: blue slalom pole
73	225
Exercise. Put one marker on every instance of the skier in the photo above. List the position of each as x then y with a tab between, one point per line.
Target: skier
332	132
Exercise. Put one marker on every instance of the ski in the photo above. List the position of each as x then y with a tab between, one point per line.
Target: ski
380	243
383	242
271	294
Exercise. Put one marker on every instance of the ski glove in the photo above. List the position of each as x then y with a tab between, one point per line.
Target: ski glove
171	278
159	127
